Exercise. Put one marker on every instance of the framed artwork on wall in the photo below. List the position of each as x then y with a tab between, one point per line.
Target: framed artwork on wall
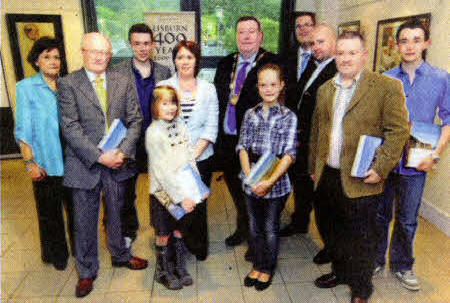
386	51
353	26
24	30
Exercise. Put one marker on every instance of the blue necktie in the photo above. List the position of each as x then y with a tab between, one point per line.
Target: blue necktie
240	78
305	59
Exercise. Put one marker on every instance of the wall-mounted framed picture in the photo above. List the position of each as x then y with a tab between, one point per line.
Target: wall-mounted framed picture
353	26
386	51
24	30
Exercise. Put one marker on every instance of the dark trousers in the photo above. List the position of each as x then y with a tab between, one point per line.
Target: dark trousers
264	215
353	233
68	204
196	223
303	196
86	204
49	194
231	170
129	216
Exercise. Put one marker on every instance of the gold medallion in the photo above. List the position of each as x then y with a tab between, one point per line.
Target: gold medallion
234	99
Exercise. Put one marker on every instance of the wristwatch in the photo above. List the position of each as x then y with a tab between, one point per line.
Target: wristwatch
435	157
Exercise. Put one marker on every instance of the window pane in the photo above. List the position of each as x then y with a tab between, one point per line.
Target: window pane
207	74
115	17
219	18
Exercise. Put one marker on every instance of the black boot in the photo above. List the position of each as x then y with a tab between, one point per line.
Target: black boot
164	269
180	262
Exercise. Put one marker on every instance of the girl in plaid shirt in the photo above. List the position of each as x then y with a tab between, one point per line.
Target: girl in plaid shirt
269	126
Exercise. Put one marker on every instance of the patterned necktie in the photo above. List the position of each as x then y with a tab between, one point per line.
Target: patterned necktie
240	78
304	63
102	96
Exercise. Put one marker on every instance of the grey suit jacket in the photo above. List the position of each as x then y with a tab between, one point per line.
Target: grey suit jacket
83	124
160	72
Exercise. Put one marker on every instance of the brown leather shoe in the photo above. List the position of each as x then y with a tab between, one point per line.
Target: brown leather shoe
135	263
359	300
84	287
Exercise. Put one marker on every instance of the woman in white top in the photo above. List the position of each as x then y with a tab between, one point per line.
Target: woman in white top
199	110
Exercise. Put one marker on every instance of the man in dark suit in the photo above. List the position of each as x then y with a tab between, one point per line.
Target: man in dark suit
354	103
298	57
89	100
235	81
143	74
320	68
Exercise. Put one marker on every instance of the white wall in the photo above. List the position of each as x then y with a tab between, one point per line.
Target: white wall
72	24
436	206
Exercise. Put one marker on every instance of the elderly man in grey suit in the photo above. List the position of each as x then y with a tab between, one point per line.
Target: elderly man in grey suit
89	100
143	75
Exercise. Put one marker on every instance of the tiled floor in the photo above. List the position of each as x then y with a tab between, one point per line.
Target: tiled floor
218	279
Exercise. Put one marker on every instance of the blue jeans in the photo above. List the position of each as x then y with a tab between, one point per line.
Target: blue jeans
264	221
407	192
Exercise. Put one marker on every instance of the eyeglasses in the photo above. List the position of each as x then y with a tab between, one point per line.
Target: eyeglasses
304	25
96	53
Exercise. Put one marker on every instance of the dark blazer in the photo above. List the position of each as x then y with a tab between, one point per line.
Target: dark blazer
376	109
249	96
307	102
83	125
160	72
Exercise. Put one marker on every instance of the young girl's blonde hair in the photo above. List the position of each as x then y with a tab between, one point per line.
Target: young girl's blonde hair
158	95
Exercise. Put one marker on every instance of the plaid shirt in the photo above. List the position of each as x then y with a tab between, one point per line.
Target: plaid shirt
277	133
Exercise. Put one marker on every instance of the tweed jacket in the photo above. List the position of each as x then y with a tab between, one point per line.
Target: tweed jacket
83	125
377	109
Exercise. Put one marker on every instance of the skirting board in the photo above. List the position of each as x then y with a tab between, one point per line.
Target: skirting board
435	216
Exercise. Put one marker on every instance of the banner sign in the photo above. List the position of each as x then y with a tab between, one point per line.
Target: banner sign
168	29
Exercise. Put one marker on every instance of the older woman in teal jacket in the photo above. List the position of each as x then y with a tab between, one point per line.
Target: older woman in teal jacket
37	133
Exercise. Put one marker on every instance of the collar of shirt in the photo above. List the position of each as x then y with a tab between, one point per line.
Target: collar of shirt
420	70
338	80
39	80
273	110
93	76
137	72
250	60
302	51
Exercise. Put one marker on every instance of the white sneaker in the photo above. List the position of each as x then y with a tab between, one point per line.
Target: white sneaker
408	279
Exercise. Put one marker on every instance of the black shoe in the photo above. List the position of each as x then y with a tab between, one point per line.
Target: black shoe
249	256
322	257
249	282
60	265
201	256
292	229
260	286
328	281
235	239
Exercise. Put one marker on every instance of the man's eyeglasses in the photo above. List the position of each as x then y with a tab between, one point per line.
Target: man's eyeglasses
93	52
304	25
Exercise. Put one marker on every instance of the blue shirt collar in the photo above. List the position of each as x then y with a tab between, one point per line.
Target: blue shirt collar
420	70
38	80
250	60
273	109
